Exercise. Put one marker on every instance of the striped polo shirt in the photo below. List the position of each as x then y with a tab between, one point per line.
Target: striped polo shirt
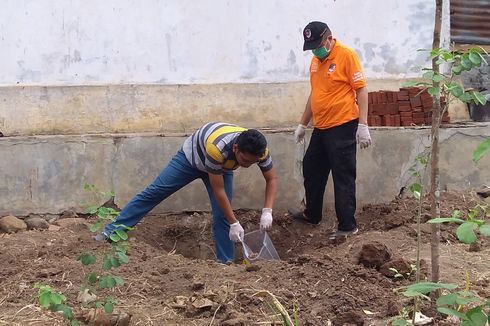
210	149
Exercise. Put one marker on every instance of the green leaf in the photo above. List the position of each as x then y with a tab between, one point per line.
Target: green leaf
428	74
465	232
123	258
416	190
448	299
479	98
119	280
115	262
106	263
427	287
438	78
114	237
466	63
457	70
99	304
122	234
432	91
481	150
109	307
92	278
457	91
45	299
477	316
96	226
400	322
445	220
111	282
92	209
485	230
87	259
475	58
74	322
57	298
451	312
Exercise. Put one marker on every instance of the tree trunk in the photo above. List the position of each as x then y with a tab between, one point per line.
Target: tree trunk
434	161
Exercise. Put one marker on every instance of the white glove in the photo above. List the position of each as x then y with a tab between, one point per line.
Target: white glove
236	232
363	137
299	134
266	218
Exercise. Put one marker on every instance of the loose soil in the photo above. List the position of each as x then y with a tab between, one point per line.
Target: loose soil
172	278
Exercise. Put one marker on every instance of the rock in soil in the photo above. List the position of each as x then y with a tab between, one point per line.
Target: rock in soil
66	222
100	318
12	224
401	265
36	223
374	254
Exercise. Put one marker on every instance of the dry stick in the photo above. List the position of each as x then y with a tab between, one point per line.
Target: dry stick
212	320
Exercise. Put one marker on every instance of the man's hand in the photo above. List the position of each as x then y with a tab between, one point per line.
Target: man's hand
236	232
266	218
299	134
363	137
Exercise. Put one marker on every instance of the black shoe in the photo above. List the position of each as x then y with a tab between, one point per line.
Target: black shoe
299	215
341	234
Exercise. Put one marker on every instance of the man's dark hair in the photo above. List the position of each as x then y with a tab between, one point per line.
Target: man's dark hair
251	141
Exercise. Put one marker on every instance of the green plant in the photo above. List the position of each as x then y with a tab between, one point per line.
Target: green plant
51	300
474	220
482	149
407	275
94	281
463	304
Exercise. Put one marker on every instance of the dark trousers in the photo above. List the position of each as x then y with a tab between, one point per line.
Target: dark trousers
332	149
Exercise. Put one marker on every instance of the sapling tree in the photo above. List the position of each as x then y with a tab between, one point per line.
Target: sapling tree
454	62
94	281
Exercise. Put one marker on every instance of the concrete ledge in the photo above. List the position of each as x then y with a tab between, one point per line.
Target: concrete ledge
45	174
65	110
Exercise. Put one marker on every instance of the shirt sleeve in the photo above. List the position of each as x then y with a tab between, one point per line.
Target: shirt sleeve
213	159
265	162
354	72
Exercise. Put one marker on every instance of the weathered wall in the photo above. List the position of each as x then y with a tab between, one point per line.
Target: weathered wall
154	108
160	65
45	174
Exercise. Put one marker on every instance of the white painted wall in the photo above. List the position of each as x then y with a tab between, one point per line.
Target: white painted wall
86	42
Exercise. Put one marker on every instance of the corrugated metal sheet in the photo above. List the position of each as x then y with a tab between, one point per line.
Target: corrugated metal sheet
470	21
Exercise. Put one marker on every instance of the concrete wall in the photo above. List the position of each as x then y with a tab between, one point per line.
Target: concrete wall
69	67
45	174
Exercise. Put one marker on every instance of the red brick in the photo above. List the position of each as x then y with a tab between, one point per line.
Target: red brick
419	121
387	121
417	109
375	120
402	119
402	95
406	114
428	121
418	115
396	120
404	108
392	108
415	101
370	97
425	96
406	123
384	98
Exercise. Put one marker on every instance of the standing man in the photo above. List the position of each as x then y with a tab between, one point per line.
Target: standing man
338	105
210	154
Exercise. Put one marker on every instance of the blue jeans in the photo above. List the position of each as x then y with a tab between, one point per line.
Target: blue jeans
176	175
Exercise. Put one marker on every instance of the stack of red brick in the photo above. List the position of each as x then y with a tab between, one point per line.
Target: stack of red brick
406	107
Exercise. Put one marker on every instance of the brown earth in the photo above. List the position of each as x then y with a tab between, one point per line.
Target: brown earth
172	278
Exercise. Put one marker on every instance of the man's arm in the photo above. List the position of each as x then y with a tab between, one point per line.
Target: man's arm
218	185
270	187
362	102
306	117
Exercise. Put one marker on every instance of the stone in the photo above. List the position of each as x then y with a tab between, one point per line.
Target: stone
53	227
69	214
401	265
66	222
233	322
374	254
197	285
36	223
12	224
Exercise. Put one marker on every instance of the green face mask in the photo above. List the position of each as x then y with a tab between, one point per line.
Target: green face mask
321	53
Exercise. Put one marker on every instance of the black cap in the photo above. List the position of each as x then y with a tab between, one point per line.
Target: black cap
313	34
